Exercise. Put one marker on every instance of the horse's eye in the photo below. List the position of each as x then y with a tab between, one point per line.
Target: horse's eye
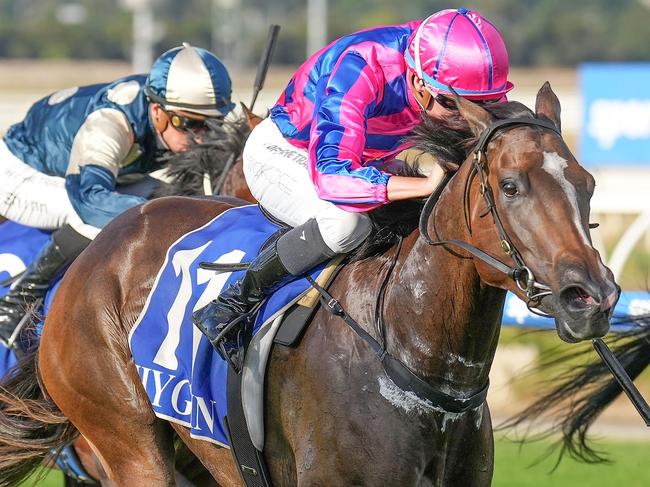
509	188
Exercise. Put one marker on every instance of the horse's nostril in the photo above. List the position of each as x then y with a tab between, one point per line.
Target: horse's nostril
584	296
577	299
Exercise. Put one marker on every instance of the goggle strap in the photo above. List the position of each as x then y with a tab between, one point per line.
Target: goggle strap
416	47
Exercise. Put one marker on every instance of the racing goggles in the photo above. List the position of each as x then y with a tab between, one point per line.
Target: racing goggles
448	102
187	124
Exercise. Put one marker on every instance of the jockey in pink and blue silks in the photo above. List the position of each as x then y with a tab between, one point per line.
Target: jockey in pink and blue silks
314	164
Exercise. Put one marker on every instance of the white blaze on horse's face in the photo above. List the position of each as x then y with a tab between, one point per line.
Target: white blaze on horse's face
583	289
555	165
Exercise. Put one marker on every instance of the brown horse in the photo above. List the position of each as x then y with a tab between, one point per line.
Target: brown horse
334	414
213	166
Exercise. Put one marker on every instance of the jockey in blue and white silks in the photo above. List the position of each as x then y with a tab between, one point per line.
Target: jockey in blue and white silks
89	136
92	135
318	163
59	167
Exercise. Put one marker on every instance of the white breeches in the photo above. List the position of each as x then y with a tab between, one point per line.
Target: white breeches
35	199
276	173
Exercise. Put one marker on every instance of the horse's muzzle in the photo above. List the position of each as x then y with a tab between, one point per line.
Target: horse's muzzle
584	307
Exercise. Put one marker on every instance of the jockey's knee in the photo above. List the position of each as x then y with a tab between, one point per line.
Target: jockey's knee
343	231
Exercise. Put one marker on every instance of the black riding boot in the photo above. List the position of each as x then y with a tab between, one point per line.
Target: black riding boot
265	274
64	245
225	321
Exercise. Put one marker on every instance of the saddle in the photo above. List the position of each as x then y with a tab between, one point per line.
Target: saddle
184	377
245	420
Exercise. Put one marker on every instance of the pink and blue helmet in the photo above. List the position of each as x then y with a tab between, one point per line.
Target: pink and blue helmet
191	79
461	49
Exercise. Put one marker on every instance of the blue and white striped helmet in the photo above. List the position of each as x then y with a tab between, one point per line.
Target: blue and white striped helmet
191	79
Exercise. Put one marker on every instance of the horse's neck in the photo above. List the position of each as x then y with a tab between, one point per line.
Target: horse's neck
442	321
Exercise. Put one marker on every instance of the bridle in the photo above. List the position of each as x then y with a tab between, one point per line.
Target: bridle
520	273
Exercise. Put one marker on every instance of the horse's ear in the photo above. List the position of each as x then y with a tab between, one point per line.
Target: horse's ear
477	117
252	119
547	105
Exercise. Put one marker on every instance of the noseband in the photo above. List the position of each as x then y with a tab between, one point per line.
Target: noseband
520	273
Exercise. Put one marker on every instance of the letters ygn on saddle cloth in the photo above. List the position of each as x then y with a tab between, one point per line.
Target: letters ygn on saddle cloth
182	374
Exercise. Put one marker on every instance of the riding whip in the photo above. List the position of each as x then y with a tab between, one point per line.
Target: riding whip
263	67
623	379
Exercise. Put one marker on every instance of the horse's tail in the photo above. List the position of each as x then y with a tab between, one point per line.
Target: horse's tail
32	427
585	391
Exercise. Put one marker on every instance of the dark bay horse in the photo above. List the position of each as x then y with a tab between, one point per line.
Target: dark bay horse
214	166
334	416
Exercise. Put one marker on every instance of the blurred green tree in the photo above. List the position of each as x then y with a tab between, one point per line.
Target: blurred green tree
544	32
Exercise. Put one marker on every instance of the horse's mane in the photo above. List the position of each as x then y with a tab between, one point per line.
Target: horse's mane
222	142
449	141
584	391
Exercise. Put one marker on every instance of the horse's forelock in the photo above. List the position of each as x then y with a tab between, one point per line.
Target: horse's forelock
450	140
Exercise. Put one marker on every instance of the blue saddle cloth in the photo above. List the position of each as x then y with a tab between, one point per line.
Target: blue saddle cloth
182	374
19	246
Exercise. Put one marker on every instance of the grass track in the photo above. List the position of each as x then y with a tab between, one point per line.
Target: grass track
514	468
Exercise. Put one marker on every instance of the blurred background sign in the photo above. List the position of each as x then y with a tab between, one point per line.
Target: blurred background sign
616	114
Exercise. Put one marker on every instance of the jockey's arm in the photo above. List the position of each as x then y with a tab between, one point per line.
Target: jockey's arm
338	139
406	188
99	147
338	136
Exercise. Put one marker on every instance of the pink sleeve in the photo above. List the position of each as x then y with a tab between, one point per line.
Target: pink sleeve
338	136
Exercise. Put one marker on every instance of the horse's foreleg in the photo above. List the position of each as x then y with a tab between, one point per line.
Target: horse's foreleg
469	460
